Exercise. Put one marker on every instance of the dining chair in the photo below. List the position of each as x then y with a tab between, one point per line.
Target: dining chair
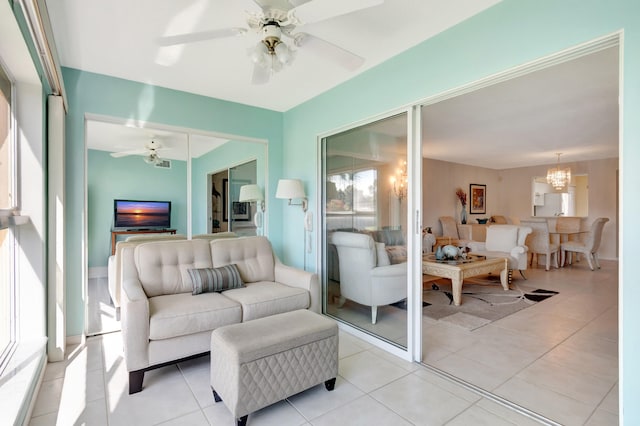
450	234
588	247
539	242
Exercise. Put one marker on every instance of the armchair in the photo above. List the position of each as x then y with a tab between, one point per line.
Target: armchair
506	241
363	279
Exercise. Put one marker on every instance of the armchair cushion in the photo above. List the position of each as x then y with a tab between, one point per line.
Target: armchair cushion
208	280
501	238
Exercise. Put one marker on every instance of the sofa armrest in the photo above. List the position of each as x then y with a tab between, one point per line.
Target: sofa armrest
517	251
135	324
396	270
476	246
295	277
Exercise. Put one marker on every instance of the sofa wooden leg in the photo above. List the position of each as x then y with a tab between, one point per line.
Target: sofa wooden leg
330	384
242	421
522	273
135	381
216	397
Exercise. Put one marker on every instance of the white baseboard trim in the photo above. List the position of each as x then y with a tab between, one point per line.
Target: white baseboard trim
98	272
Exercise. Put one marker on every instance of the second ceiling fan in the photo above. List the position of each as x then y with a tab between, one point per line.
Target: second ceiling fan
278	19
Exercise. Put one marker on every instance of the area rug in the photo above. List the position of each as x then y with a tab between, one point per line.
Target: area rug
483	301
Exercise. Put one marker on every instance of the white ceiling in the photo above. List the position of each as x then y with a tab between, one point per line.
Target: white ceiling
119	38
569	108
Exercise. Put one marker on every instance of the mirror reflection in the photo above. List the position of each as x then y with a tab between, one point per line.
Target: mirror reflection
158	165
365	225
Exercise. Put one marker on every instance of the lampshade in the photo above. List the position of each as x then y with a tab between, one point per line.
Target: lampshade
290	188
250	193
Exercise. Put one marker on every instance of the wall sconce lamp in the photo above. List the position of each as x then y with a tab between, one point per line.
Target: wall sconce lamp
290	189
251	193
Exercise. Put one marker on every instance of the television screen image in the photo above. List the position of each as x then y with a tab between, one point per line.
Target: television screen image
132	214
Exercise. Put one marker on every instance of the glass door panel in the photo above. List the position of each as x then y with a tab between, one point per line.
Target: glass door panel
364	229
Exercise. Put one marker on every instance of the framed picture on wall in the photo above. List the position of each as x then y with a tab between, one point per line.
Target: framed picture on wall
478	198
241	210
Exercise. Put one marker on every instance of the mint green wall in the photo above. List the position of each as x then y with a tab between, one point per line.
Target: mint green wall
129	178
231	153
90	93
510	33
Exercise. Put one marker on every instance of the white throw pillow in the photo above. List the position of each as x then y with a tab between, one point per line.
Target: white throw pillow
501	238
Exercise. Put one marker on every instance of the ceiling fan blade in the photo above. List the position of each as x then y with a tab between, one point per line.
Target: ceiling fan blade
260	74
337	54
319	10
131	152
199	36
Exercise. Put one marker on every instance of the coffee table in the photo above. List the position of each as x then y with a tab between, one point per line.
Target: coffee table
459	269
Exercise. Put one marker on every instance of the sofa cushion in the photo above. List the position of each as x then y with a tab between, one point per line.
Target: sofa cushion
262	299
162	264
501	238
182	314
208	280
252	255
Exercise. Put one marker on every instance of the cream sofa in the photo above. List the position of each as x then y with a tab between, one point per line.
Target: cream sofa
163	322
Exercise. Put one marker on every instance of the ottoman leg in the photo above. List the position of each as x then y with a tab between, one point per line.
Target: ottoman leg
216	397
242	421
330	384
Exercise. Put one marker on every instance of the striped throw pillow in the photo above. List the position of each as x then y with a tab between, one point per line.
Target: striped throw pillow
208	280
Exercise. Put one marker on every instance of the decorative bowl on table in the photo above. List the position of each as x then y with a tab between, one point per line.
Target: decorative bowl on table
483	220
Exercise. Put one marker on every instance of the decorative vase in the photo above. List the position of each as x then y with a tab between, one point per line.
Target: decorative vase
463	215
439	254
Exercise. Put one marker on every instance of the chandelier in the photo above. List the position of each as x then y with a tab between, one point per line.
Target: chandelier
271	53
557	177
399	182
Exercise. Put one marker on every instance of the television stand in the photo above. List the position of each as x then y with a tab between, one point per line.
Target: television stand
114	235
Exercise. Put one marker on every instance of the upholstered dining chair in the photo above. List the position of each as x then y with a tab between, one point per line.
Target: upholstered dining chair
450	233
539	242
588	247
366	277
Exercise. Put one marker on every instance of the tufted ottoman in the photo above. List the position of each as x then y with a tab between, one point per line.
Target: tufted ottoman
257	363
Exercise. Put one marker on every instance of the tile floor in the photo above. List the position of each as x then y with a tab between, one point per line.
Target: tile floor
558	359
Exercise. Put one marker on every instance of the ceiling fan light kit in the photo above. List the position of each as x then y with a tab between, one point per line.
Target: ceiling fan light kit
271	53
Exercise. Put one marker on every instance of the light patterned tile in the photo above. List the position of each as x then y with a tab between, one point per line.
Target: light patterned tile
364	411
555	406
419	401
317	401
477	416
358	369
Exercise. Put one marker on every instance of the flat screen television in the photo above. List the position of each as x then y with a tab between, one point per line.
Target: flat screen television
137	214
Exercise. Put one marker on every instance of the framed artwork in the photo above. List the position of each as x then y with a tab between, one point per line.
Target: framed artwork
478	203
240	211
231	205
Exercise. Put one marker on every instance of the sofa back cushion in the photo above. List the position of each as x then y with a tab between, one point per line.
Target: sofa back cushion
502	238
162	265
252	255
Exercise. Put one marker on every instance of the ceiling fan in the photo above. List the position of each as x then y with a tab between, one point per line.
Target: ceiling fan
278	19
150	149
